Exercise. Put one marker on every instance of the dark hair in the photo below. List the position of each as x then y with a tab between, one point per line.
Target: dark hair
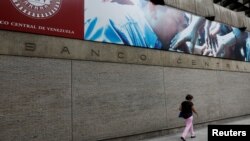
189	97
160	2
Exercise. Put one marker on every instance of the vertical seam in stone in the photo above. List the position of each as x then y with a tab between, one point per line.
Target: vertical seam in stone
165	94
71	91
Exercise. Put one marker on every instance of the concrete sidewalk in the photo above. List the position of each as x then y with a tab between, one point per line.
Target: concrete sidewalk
201	133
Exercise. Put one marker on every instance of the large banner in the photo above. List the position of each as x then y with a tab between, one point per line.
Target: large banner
141	23
50	17
138	23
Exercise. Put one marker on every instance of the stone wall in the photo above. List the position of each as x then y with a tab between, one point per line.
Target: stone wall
58	89
54	99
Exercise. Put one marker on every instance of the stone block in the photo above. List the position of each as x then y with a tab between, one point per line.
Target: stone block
113	100
202	84
35	99
233	91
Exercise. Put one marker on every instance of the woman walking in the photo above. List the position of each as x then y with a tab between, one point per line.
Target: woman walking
187	109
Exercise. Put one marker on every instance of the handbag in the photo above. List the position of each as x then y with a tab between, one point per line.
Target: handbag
180	115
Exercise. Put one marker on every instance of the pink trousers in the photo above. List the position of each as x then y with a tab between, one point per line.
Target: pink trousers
189	127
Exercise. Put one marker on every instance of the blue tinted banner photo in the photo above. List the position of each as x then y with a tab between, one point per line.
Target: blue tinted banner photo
140	23
137	23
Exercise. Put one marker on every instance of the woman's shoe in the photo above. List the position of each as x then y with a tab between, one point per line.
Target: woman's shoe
183	139
193	136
